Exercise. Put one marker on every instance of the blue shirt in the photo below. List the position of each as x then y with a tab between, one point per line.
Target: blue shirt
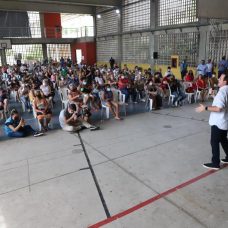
184	66
202	69
9	122
222	65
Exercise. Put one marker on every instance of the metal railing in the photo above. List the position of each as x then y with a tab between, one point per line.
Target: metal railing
47	32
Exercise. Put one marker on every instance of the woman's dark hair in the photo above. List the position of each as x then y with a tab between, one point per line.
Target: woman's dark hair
72	107
226	78
72	87
13	112
38	94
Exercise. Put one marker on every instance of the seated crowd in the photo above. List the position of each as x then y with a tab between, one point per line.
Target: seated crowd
86	89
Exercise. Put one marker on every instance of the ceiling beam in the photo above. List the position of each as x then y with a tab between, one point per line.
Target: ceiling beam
57	5
15	41
108	3
45	7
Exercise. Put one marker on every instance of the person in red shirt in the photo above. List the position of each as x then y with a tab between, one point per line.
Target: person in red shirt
189	76
189	79
123	85
202	86
164	85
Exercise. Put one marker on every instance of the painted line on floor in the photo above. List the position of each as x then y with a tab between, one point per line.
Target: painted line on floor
153	199
94	178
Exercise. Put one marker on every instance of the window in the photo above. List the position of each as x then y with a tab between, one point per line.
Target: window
25	52
108	23
218	45
173	12
56	51
136	48
136	16
107	48
76	25
34	24
185	45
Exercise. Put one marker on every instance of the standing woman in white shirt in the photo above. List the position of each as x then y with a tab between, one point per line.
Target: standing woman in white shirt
209	68
219	123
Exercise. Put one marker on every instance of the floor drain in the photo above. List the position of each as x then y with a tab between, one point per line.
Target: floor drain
167	126
77	151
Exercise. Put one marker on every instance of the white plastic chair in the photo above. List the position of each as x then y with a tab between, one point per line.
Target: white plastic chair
122	101
63	92
171	97
50	102
197	94
23	106
13	94
3	114
104	107
212	92
149	102
189	95
35	116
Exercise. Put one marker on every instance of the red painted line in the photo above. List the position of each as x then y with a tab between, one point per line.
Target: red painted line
151	200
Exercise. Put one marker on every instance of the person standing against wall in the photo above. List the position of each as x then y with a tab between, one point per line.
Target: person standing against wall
222	66
183	69
219	123
112	62
209	68
202	68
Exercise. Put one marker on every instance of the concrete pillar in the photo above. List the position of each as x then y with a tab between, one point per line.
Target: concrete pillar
95	23
42	28
94	30
44	49
3	56
203	37
153	26
202	45
43	35
120	42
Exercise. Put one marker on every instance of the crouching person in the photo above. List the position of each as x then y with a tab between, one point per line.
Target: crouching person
70	120
15	126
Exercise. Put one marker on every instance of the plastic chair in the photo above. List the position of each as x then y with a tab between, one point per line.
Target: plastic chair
13	94
171	97
3	114
149	102
212	92
63	92
189	95
197	94
35	116
104	107
122	101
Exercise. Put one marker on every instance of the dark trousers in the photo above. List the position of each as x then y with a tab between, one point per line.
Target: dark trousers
183	73
220	73
125	91
25	131
218	136
133	94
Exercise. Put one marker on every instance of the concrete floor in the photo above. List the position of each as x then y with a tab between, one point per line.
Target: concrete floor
45	182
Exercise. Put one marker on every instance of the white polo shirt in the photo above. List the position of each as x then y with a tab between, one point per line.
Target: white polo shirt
62	119
220	119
